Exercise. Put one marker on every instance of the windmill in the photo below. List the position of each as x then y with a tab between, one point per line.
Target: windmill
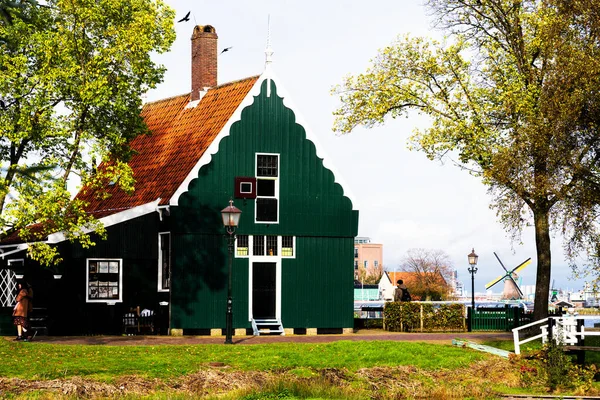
554	297
511	288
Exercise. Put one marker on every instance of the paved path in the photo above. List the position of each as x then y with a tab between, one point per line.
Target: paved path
440	338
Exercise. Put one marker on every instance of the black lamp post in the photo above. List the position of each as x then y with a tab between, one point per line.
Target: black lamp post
231	219
472	270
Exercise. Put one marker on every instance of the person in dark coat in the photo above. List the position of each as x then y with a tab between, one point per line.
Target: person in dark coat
22	309
401	293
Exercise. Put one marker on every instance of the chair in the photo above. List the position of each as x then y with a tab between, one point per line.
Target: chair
136	321
146	321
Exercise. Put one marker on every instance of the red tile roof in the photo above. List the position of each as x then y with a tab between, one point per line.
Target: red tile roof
13	237
178	138
410	278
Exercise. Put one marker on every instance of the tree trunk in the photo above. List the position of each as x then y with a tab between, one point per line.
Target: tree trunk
542	241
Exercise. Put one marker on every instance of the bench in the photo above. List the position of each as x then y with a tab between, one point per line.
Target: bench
38	320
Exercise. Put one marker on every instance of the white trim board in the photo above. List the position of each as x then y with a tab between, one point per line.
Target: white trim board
19	248
112	219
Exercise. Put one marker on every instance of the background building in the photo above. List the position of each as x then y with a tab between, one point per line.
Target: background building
368	256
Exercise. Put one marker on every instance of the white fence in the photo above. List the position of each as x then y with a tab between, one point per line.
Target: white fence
568	329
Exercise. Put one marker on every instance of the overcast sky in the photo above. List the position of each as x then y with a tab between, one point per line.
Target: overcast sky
405	201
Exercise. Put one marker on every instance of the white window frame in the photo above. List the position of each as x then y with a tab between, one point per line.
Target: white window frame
366	264
276	179
266	256
14	260
87	281
375	263
160	261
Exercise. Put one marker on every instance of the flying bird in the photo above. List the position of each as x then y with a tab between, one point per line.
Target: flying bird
226	49
186	18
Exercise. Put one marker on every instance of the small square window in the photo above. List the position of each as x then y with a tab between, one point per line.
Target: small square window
267	165
287	246
258	248
271	245
266	210
242	245
265	187
246	187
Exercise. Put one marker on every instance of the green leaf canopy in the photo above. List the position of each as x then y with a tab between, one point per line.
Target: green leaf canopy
72	75
513	93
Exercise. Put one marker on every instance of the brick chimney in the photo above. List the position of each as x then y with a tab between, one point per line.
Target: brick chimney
204	59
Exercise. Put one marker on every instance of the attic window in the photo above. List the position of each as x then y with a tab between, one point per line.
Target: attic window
267	188
267	165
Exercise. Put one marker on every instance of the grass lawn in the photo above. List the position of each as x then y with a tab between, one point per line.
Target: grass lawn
344	370
49	361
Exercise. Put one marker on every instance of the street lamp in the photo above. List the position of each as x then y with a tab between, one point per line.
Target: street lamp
231	219
472	270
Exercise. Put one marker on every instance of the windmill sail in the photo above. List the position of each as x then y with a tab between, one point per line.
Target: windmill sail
522	265
492	283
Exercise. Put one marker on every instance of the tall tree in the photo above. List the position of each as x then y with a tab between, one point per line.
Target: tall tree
72	73
514	95
432	270
371	275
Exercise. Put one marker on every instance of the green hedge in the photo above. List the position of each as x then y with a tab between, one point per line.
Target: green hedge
406	316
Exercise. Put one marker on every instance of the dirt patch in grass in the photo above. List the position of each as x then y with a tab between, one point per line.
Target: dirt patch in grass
75	387
222	381
476	381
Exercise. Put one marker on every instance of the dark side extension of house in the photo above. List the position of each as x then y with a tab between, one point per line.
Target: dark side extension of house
166	253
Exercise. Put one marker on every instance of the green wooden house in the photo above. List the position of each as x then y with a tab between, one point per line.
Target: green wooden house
167	250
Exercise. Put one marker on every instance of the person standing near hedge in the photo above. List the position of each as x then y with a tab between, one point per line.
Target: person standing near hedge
401	293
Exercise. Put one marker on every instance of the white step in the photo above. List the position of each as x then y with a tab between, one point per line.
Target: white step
258	326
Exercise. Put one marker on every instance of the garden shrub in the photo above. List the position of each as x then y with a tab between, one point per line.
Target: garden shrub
398	316
554	369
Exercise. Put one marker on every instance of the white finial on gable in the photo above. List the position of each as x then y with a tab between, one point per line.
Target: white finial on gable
268	55
268	50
